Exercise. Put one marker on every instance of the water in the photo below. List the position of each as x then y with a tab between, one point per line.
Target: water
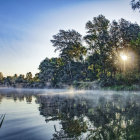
63	114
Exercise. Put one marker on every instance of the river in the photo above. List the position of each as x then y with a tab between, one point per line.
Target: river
56	114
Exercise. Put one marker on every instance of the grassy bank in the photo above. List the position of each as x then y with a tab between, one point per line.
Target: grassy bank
123	87
96	85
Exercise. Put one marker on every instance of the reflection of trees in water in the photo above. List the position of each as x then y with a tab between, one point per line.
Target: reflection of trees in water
29	99
17	97
115	118
69	111
0	99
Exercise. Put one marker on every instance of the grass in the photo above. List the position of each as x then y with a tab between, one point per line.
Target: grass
94	85
123	87
2	119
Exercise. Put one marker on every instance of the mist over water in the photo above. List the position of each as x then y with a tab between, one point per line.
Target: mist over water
75	114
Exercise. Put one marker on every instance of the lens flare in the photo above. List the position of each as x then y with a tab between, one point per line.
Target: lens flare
124	57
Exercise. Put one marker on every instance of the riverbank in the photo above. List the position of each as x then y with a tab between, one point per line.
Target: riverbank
123	88
82	86
96	86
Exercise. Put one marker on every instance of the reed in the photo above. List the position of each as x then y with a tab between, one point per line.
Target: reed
2	119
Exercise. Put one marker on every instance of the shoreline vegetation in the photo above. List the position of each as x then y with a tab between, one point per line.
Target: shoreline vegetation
107	57
82	86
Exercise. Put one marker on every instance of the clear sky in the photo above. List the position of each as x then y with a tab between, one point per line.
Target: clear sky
26	27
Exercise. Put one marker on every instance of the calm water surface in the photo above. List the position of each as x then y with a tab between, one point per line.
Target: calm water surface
69	114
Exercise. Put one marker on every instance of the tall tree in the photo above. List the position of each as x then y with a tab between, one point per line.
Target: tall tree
69	44
128	31
50	70
97	39
121	34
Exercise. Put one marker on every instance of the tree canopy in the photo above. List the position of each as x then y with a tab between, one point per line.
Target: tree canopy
135	4
99	59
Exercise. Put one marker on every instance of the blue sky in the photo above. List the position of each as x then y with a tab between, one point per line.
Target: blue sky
26	27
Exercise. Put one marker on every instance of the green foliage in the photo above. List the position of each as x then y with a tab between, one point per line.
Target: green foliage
74	128
98	60
135	4
1	77
69	44
29	76
115	117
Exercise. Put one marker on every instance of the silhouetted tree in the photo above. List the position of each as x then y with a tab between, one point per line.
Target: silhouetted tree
135	4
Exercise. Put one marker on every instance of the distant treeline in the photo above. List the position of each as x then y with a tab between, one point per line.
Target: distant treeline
93	57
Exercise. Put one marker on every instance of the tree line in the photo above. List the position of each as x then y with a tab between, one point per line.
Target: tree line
93	57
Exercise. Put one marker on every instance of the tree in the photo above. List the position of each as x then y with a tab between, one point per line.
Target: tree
128	31
14	78
135	44
8	81
135	4
122	33
20	79
69	44
29	76
36	77
97	39
49	70
1	77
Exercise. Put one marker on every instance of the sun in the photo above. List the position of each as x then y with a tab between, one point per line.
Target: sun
124	57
